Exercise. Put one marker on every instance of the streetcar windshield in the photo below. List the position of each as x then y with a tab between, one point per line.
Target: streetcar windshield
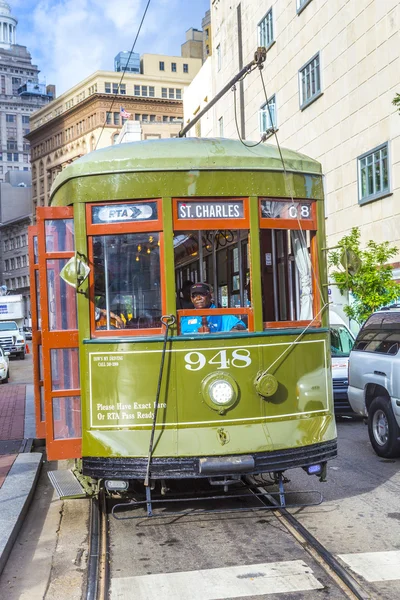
127	281
219	260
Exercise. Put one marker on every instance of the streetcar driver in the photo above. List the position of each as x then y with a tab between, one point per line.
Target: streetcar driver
200	294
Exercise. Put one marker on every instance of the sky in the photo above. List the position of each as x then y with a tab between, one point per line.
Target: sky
70	39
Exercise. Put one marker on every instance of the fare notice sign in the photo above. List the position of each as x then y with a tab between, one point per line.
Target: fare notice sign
229	209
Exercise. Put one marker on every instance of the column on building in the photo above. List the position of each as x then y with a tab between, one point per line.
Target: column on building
3	129
19	133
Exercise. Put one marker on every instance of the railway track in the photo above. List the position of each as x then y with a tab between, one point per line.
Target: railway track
98	573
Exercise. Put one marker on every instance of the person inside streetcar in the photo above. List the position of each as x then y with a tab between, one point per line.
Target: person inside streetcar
200	294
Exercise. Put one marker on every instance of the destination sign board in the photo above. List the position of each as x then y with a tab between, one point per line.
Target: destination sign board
277	209
231	209
124	213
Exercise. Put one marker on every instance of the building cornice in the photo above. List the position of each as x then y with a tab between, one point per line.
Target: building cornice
129	103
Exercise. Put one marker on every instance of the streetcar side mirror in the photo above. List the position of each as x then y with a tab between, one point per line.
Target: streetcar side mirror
76	271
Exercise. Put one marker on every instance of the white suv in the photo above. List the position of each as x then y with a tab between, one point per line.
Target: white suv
374	379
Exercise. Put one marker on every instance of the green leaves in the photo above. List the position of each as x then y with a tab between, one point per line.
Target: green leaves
364	273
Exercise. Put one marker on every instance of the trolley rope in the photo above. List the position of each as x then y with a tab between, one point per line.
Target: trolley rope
167	321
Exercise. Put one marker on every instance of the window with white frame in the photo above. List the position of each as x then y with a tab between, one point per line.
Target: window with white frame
266	30
302	4
218	57
373	174
310	81
268	116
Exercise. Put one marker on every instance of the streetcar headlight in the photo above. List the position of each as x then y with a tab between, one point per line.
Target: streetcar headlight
221	392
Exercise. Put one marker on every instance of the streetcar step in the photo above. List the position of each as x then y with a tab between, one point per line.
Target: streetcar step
66	484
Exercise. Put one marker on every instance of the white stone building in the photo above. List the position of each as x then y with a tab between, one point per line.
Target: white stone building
331	73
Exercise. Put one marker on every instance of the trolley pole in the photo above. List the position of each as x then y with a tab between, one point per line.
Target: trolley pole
259	58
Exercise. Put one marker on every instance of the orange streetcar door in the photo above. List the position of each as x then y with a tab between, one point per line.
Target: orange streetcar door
36	332
57	307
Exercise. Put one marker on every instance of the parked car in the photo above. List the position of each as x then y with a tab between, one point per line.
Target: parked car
27	332
342	341
374	379
4	365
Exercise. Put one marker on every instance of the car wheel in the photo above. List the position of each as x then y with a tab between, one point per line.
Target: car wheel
5	380
384	433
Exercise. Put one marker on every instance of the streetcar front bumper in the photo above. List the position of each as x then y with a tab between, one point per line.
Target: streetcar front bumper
204	467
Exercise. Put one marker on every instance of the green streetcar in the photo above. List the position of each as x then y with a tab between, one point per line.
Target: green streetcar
181	328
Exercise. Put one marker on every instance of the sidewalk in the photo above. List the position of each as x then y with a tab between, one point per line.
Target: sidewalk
19	467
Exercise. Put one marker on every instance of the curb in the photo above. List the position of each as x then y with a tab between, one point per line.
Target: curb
15	496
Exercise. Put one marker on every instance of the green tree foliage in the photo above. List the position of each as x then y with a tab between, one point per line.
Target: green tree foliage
364	273
396	101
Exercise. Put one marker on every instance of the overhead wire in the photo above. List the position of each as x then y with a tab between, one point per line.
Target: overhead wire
124	71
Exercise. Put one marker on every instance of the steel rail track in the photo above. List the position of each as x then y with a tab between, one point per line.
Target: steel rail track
98	576
98	561
347	583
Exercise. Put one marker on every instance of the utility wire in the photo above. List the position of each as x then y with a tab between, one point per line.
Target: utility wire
124	71
263	137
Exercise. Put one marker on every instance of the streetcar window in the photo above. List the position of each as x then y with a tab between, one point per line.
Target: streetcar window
287	275
127	285
225	264
219	258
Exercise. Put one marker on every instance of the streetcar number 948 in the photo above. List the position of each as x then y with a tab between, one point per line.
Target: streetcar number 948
239	358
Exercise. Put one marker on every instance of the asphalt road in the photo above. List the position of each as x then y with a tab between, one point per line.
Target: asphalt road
21	371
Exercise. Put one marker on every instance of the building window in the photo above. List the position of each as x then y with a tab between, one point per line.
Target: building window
171	93
310	81
152	118
373	174
162	67
107	88
144	90
108	118
10	118
7	265
137	117
219	60
25	118
116	118
136	90
145	118
301	4
173	67
185	68
115	138
221	126
12	264
164	93
165	119
151	91
122	89
178	94
268	116
265	30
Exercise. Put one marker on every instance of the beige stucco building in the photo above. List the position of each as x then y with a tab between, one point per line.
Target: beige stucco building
331	73
88	116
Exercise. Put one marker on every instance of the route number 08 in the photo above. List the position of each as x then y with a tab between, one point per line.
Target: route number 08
239	358
305	211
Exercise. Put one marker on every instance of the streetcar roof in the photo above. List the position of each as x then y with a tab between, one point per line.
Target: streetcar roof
186	154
